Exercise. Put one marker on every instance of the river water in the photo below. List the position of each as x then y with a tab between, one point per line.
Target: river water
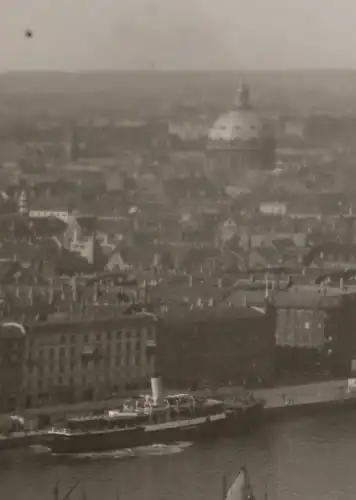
308	459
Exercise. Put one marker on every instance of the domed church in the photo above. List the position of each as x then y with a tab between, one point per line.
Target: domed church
238	139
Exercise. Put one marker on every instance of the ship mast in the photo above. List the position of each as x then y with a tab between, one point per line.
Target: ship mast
224	488
69	492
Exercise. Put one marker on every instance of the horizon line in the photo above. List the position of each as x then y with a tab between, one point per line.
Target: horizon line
180	70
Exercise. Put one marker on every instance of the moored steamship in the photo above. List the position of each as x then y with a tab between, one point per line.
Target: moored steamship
149	420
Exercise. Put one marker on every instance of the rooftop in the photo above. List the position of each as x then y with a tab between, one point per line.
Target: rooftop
210	314
296	297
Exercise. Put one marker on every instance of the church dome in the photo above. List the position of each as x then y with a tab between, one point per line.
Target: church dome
242	124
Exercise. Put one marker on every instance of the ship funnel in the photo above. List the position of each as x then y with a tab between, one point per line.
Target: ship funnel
157	390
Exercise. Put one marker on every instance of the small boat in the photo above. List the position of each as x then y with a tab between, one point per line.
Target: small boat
149	420
241	488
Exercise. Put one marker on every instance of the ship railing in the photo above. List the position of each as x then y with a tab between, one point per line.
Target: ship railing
59	430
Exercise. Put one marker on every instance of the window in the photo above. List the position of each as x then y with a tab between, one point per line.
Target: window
63	339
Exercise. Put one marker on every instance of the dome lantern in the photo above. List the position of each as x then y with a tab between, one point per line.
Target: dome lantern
242	97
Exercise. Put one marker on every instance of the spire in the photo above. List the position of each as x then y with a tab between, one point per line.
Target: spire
242	97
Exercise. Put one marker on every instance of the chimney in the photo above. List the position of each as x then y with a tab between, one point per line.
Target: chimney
30	295
74	289
267	290
82	307
95	293
157	390
50	294
22	203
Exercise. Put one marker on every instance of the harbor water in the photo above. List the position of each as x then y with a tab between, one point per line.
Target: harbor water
307	459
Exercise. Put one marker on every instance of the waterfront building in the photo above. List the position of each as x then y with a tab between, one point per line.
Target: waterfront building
209	346
314	326
63	362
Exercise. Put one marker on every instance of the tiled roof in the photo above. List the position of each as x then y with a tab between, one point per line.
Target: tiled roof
169	292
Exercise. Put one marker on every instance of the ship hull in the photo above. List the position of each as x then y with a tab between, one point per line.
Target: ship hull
185	430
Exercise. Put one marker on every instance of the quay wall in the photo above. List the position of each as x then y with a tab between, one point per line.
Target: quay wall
283	399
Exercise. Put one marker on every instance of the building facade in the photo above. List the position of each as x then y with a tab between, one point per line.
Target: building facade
315	328
12	360
67	362
215	347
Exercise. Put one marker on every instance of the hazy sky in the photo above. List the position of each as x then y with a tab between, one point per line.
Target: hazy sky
221	34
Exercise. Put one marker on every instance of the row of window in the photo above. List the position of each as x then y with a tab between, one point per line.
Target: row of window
125	334
80	379
62	353
118	358
62	367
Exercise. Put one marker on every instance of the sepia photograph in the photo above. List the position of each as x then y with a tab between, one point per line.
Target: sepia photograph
177	250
